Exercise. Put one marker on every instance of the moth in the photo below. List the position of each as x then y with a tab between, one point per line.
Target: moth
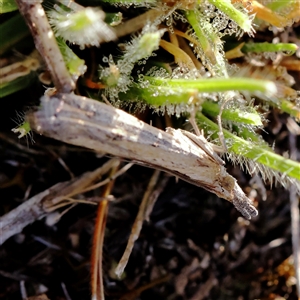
85	122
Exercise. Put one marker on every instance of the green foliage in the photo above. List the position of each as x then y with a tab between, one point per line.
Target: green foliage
7	6
17	84
75	65
286	48
235	114
12	31
255	155
242	18
138	75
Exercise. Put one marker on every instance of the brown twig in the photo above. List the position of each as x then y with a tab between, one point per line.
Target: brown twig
38	206
142	215
85	122
136	293
45	43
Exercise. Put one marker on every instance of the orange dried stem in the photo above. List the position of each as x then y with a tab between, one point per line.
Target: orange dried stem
132	295
97	289
183	44
93	85
98	237
291	64
173	39
264	13
235	52
180	56
183	34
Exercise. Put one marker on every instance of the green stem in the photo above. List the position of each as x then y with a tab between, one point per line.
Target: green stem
214	85
201	33
155	96
210	43
243	20
279	4
289	48
290	108
250	135
249	150
74	64
233	114
7	6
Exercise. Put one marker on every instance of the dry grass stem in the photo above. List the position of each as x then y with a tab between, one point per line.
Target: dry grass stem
138	223
41	204
137	23
110	178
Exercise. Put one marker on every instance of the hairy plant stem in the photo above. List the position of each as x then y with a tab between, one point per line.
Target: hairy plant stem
269	47
249	150
242	19
215	85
